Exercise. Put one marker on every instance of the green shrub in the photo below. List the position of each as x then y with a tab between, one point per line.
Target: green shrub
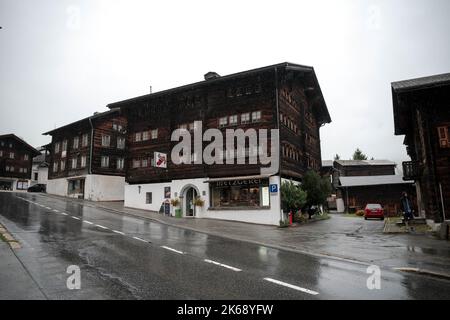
292	196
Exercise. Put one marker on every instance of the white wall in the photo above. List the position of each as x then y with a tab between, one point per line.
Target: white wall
96	188
43	175
136	199
104	188
57	186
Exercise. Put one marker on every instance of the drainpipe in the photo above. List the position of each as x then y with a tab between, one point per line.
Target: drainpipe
91	146
442	202
279	141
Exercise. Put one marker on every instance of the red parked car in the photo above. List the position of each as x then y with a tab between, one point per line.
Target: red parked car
373	210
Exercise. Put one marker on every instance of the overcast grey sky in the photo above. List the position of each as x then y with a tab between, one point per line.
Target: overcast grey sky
63	60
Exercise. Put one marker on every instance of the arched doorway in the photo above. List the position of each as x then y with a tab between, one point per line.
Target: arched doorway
189	193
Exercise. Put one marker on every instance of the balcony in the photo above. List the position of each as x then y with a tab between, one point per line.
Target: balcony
411	170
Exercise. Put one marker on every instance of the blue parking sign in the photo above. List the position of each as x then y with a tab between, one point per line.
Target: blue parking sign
273	188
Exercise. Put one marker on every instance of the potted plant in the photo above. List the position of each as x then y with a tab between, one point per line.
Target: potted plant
176	203
199	202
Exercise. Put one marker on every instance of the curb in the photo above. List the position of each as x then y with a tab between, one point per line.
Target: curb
440	275
8	238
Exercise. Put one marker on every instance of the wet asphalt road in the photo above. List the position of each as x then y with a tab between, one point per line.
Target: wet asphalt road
129	258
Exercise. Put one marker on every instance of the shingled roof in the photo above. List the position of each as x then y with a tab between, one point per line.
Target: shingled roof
421	83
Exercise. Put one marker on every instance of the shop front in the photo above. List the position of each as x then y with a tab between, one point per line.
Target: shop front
245	199
235	193
6	184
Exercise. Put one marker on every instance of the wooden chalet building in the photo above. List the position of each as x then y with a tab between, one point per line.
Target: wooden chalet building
359	182
16	157
87	158
422	113
284	96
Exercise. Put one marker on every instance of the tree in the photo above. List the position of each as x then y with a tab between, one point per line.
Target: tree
292	196
317	188
337	157
358	155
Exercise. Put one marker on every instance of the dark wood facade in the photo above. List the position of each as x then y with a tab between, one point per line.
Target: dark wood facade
16	159
352	168
388	196
77	148
283	96
422	114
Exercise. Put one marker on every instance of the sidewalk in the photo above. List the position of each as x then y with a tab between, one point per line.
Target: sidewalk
340	237
15	282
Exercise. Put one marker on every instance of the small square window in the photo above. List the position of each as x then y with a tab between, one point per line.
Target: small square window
233	119
256	116
138	136
223	121
105	162
148	197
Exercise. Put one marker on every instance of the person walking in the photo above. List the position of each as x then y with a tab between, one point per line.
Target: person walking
405	204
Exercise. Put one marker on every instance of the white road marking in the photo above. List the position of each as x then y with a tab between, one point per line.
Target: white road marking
173	250
222	265
119	232
281	283
100	226
64	214
137	238
48	208
55	210
88	222
73	217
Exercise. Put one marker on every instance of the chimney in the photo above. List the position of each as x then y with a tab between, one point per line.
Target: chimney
211	75
150	89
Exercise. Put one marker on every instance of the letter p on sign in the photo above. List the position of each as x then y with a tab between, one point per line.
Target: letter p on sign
374	280
74	280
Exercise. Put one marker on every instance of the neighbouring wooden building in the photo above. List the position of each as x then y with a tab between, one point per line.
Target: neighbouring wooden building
359	182
16	158
285	96
422	113
87	157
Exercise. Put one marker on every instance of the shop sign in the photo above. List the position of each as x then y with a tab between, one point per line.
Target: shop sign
245	182
273	188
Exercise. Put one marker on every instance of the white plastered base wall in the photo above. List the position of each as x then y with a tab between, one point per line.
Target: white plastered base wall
96	188
135	197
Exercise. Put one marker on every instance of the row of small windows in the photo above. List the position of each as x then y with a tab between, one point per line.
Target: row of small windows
12	169
11	155
146	135
245	118
117	127
288	96
62	146
106	142
290	152
3	143
288	122
142	162
61	165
